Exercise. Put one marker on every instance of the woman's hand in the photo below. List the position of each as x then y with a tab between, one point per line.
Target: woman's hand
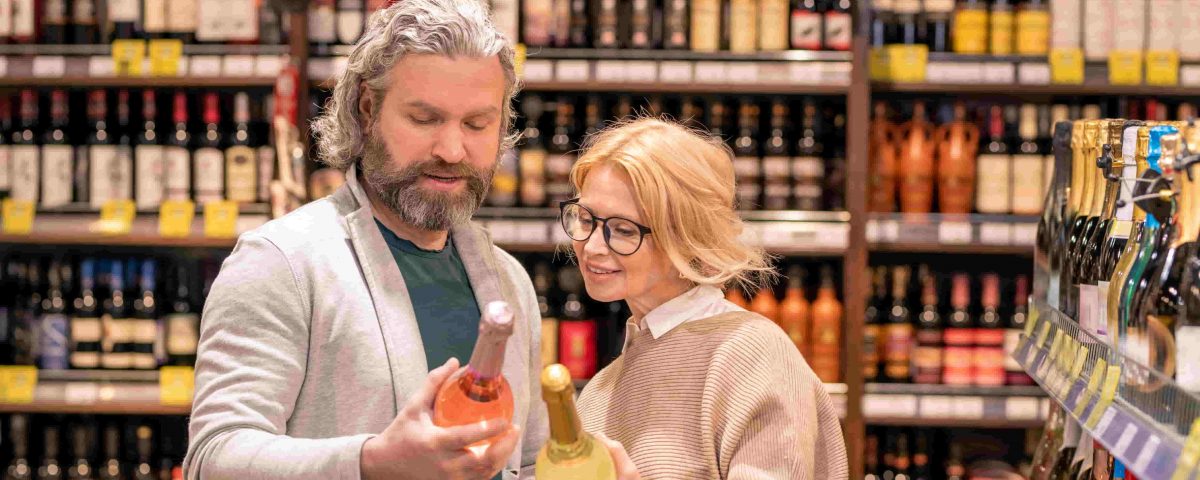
626	470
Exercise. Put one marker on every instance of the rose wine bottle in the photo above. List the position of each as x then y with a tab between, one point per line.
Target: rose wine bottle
481	393
570	452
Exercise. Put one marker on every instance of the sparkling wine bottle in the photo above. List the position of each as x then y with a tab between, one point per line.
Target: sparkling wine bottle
481	393
570	452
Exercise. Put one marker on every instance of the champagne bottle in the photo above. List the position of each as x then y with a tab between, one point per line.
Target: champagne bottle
570	452
1119	207
481	393
1117	321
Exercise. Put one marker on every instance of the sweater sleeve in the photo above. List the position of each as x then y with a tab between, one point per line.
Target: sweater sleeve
772	418
250	365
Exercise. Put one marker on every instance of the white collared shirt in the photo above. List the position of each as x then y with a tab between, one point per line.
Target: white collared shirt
700	302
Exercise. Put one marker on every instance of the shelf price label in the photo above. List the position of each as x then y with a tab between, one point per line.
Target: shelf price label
1044	337
1108	390
1066	66
116	217
164	57
220	219
1162	68
176	385
1092	386
18	216
1031	324
17	383
128	56
1125	67
907	63
1081	353
1190	457
175	218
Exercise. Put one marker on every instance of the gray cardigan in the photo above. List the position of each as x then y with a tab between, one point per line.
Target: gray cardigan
309	345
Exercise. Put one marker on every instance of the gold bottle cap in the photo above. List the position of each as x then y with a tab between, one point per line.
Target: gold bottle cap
556	379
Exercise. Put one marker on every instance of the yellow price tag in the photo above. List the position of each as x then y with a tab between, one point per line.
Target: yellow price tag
116	217
907	63
164	57
1030	325
1190	456
176	385
1066	66
17	383
877	61
128	56
1092	385
18	216
519	54
175	218
1125	67
1081	353
220	219
1112	378
1162	68
1044	337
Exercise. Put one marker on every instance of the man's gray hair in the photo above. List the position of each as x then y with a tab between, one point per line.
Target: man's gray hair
443	27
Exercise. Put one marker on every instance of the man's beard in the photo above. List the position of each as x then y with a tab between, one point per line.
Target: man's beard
414	205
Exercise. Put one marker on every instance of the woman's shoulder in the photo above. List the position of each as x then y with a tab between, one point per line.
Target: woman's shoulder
742	328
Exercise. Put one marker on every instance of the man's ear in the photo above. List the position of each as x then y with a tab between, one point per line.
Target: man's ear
366	105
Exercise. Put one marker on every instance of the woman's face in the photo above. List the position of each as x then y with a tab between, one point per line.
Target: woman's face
644	279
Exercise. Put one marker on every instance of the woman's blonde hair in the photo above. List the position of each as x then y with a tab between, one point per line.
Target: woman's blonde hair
684	182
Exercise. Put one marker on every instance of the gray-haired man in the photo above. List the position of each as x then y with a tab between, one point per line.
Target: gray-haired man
319	333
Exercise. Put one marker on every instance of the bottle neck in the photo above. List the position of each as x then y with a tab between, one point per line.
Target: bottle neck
488	358
567	438
1077	169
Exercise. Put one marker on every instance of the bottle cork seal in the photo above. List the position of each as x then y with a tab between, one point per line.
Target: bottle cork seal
499	313
556	378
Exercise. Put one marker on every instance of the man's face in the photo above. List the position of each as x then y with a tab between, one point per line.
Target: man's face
433	147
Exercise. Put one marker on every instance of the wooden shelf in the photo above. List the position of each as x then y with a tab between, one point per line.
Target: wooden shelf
137	82
689	88
953	234
75	228
1019	90
97	392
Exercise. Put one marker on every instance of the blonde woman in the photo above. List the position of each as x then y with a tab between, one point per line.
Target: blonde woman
703	389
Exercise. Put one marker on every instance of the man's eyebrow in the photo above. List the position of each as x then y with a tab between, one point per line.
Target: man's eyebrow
490	110
422	105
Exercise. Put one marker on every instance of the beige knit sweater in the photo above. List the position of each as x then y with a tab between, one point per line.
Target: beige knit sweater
727	397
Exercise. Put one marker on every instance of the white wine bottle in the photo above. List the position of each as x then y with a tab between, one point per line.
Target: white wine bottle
570	453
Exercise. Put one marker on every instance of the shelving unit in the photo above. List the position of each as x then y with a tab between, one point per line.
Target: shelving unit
97	392
77	227
906	405
944	233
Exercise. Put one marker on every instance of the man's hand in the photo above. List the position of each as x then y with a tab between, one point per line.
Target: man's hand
412	447
626	470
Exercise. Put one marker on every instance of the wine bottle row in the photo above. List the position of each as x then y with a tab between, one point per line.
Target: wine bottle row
929	454
1066	451
56	155
787	154
741	26
915	332
101	313
84	22
46	447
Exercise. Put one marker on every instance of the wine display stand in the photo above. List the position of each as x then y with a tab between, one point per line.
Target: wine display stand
1141	417
944	233
95	392
909	405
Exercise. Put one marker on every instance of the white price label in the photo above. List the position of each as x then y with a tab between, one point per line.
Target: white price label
937	406
641	71
1022	408
1024	234
774	73
900	406
572	71
81	393
1033	74
675	72
712	72
954	72
268	65
539	71
995	233
743	72
954	233
237	65
1189	75
969	408
610	71
1149	451
4	66
873	233
806	73
99	66
532	232
210	66
559	236
1126	439
1105	422
999	73
49	66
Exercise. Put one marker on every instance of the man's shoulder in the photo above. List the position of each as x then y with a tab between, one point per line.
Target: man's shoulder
318	221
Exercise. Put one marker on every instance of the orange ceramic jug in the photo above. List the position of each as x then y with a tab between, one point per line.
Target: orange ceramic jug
958	143
881	149
915	159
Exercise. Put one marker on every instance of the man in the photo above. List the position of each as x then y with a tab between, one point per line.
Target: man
319	333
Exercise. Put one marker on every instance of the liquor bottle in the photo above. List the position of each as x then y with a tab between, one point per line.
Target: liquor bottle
1095	268
992	193
6	132
149	158
154	19
18	434
776	162
742	27
81	447
971	25
533	156
915	162
25	313
1000	34
1109	133
177	154
54	22
271	25
927	354
882	149
607	18
481	393
876	314
26	17
908	30
835	178
52	325
112	454
898	333
1033	28
208	160
576	330
765	304
241	172
808	166
735	296
958	142
561	156
641	30
747	160
115	343
560	23
125	16
937	24
50	470
100	155
542	287
1084	214
796	314
826	330
1162	295
119	178
921	470
536	18
145	445
1028	166
1187	325
1014	374
903	461
955	468
85	329
26	155
6	21
570	452
57	155
349	21
839	33
882	23
988	353
675	24
806	26
322	25
578	33
183	322
144	323
1117	319
959	336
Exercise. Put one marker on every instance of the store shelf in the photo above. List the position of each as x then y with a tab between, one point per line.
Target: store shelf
136	82
92	66
795	233
76	226
954	406
965	234
104	49
1139	415
97	392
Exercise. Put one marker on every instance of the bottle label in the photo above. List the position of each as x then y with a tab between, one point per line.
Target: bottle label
85	342
1188	31
1102	292
52	342
5	165
899	342
181	16
240	174
971	31
838	30
1001	33
101	160
533	179
1027	184
1187	337
209	177
1033	32
806	30
123	10
349	24
182	334
84	13
640	34
1129	28
504	183
743	29
1098	29
150	171
558	171
577	348
1125	211
25	172
23	22
906	6
6	19
1087	308
155	16
706	25
57	171
266	172
992	189
870	349
958	337
1012	338
144	331
747	169
321	22
808	168
116	337
778	168
54	12
773	25
939	6
537	22
120	175
178	173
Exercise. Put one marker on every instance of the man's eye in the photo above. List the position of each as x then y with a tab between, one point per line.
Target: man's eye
422	120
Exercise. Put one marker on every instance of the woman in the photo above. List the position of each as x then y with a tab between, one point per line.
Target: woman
703	388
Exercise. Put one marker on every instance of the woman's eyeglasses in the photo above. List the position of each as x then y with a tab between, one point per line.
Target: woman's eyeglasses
623	236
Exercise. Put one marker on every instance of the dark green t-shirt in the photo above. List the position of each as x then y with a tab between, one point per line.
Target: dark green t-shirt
442	299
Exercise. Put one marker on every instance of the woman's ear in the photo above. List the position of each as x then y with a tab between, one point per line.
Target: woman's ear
366	105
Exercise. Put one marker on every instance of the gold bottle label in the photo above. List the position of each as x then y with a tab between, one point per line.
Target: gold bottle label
1033	32
706	25
971	32
743	31
1001	33
993	183
241	174
773	25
